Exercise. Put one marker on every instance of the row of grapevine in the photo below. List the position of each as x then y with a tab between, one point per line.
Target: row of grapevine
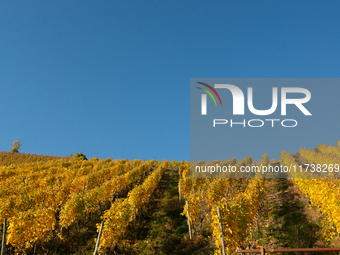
330	150
238	200
85	202
9	158
324	158
124	211
49	184
323	192
40	190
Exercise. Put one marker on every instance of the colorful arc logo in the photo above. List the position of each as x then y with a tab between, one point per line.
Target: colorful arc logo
204	97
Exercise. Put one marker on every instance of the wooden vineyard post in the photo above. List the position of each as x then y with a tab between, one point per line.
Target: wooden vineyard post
180	192
262	250
221	230
87	211
190	233
98	239
3	243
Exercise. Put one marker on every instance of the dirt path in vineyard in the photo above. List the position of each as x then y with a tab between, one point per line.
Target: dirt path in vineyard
286	220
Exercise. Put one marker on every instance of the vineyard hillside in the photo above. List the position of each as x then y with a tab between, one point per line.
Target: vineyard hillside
74	205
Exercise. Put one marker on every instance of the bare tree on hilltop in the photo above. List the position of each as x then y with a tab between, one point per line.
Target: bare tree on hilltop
16	145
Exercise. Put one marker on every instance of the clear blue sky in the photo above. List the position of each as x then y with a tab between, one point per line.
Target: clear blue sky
112	77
